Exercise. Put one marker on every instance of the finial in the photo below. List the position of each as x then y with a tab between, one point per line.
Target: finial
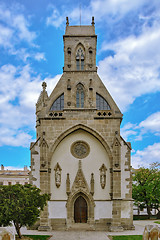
44	85
67	21
93	21
80	164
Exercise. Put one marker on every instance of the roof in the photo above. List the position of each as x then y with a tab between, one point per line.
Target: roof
80	31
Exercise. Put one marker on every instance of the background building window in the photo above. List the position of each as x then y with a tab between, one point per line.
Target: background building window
80	96
101	103
58	104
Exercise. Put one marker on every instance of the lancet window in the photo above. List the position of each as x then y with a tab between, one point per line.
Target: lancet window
58	104
80	59
101	103
80	96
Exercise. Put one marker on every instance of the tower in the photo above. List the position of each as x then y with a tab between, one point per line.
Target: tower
79	157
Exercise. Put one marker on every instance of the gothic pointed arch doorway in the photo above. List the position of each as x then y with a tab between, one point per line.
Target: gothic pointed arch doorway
80	210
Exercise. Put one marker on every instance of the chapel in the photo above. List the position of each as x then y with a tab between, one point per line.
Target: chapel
79	156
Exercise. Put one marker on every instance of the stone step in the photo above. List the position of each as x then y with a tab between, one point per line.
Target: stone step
82	227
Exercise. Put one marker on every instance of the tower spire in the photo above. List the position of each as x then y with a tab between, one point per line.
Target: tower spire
67	21
92	21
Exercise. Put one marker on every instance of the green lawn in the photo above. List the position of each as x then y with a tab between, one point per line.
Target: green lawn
129	237
36	237
157	222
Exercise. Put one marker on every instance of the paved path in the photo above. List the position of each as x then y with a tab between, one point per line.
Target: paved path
91	235
76	235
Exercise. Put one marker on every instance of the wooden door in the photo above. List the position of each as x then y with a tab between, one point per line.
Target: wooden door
80	210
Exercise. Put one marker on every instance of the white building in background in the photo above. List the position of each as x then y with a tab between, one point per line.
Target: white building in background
11	177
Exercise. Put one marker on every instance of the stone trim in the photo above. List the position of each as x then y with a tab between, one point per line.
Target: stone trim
85	128
70	206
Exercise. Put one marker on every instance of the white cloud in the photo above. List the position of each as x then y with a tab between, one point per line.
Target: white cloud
18	96
5	36
40	56
21	25
152	123
115	7
15	33
15	23
136	132
128	130
18	139
103	10
147	156
134	69
56	18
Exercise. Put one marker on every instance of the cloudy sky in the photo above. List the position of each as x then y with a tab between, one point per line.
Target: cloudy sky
128	60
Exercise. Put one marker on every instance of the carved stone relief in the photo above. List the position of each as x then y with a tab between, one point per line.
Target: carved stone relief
57	170
92	183
80	149
80	182
68	184
103	176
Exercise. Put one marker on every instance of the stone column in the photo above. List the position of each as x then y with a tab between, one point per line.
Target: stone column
44	183
116	184
44	218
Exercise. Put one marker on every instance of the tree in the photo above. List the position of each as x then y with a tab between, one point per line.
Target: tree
21	205
146	187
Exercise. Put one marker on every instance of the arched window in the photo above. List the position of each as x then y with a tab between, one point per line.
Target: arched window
90	56
69	56
80	96
101	103
80	59
58	104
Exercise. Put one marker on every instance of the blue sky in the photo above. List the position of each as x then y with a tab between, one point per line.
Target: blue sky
128	60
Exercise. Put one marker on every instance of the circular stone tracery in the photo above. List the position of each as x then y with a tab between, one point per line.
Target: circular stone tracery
80	149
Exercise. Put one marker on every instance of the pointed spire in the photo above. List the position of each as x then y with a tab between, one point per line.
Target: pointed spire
44	85
43	95
67	21
92	21
80	164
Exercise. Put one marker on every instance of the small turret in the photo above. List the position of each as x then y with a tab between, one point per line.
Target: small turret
43	98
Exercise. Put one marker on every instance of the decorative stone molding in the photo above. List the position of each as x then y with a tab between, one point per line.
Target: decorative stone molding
43	98
80	188
57	170
68	184
151	232
7	234
116	142
88	130
103	176
80	182
92	184
43	152
80	149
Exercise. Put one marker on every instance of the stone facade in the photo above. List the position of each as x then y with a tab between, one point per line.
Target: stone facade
79	157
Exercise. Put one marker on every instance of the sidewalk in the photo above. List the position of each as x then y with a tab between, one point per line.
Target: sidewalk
91	235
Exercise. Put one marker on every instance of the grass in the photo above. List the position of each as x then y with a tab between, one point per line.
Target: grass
157	222
129	237
35	237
